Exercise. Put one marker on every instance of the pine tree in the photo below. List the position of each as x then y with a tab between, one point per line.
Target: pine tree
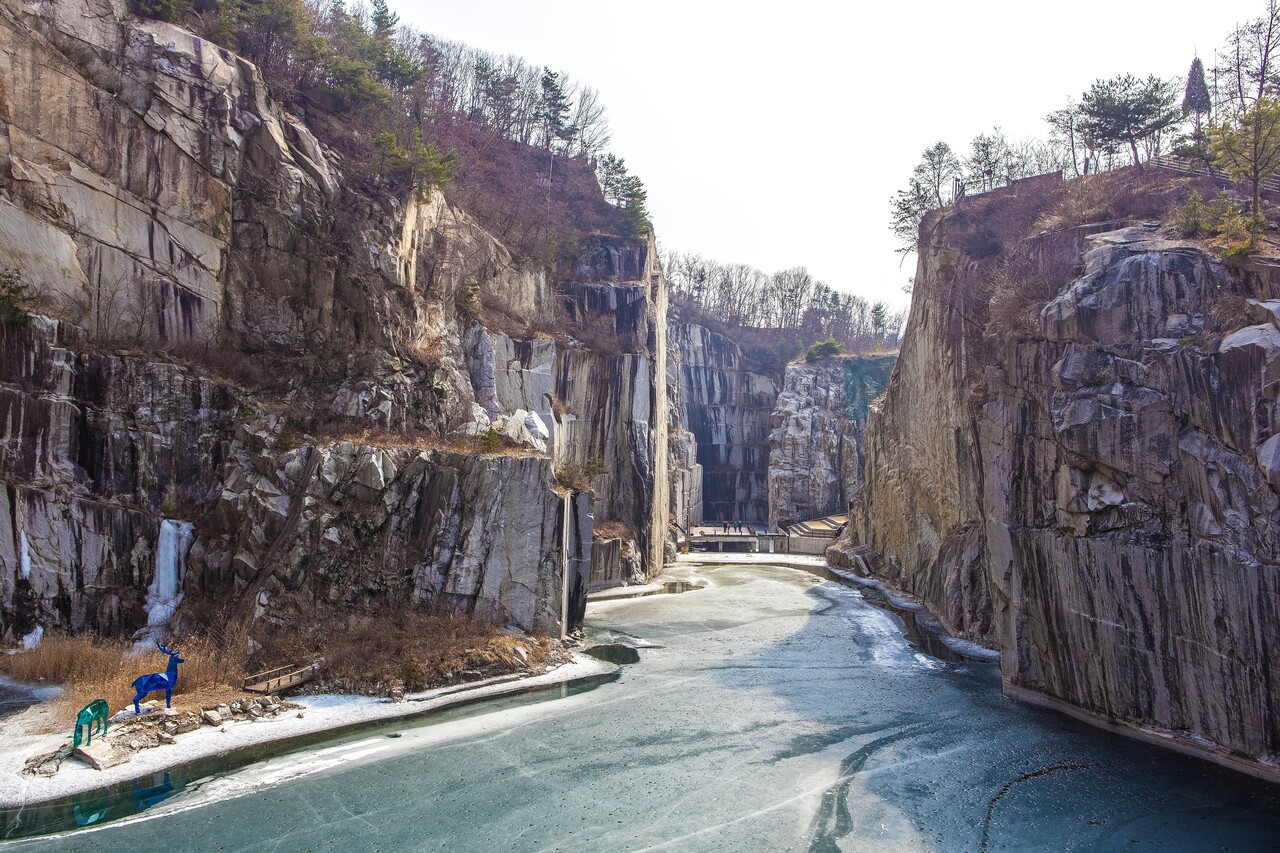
553	110
1196	100
626	192
1248	147
384	21
1197	104
1127	110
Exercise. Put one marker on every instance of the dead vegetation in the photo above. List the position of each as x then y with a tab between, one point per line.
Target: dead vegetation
1227	313
1124	195
90	668
1019	248
361	653
358	432
367	653
612	530
1021	283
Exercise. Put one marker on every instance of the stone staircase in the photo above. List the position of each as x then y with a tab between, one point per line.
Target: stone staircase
815	535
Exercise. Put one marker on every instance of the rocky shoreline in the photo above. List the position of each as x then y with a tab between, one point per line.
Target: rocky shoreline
198	737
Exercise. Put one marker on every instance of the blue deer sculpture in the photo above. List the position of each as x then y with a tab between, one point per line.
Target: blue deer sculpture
165	681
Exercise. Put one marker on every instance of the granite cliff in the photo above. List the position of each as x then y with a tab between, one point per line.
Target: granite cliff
1076	464
721	412
816	447
239	333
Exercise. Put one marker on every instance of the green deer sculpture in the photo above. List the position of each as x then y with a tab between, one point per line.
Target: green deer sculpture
92	719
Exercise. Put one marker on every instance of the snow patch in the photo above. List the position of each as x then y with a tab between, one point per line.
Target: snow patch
897	601
30	641
970	649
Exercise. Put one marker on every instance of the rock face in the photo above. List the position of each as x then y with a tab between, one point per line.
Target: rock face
186	231
726	409
100	449
615	426
816	448
1095	496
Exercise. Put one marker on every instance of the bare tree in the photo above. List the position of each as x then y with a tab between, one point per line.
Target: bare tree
1247	66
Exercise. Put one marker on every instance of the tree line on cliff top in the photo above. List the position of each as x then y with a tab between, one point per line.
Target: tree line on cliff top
776	317
1228	118
521	146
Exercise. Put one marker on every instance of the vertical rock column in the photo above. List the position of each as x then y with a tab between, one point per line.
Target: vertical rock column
613	425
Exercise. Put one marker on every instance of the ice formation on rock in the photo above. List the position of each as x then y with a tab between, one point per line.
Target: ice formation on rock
164	595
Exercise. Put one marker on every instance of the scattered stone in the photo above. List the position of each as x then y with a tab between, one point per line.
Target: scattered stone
213	718
255	711
167	738
224	711
101	754
48	763
189	723
299	715
135	744
170	727
223	729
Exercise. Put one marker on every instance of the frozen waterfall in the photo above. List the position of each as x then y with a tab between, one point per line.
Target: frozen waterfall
164	595
24	561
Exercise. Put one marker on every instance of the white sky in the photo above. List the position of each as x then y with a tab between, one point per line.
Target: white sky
774	134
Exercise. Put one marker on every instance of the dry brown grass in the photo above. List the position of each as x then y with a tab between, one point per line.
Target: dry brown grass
94	668
1121	195
612	530
365	653
1227	313
388	439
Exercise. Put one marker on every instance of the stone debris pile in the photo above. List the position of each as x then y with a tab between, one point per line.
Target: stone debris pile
157	726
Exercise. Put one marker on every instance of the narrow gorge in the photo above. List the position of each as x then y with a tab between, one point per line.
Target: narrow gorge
272	374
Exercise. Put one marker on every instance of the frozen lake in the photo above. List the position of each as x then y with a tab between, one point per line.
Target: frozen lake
782	712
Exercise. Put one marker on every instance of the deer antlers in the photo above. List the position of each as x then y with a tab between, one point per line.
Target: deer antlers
162	647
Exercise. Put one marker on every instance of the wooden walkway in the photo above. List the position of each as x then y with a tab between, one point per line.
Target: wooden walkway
705	535
1187	167
281	678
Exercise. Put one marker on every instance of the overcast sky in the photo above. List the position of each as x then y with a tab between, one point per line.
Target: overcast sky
774	134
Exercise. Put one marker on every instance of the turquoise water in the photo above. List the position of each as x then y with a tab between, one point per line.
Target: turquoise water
780	712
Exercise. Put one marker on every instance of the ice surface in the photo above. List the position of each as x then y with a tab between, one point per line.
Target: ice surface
782	712
894	598
970	649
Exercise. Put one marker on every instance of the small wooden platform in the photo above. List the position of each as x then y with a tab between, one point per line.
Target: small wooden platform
281	678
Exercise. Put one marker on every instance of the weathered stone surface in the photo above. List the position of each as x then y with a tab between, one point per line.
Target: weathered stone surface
726	409
153	193
103	753
1095	499
816	454
614	405
509	375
